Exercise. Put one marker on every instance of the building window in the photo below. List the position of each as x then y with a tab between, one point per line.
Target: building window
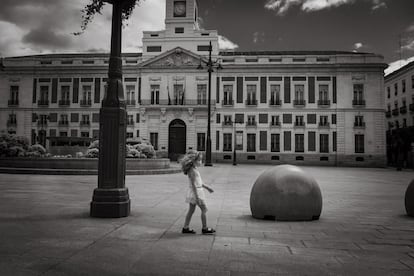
251	120
323	120
129	135
83	134
299	120
275	120
12	121
412	81
251	94
138	133
403	86
64	119
228	94
44	93
404	122
359	121
130	119
155	94
227	120
86	95
251	142
154	140
275	94
358	93
201	94
178	94
395	89
324	143
227	140
299	94
65	134
299	143
130	94
85	119
388	92
323	93
359	143
179	30
203	48
201	141
153	48
64	93
14	94
275	142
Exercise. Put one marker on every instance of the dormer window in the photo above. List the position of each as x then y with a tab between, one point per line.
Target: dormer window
180	9
179	30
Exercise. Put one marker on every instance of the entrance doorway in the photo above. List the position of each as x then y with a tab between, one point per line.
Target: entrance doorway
177	133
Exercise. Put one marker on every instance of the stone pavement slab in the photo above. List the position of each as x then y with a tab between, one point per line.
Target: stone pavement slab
45	228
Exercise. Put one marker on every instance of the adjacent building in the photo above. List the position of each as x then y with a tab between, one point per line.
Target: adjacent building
301	107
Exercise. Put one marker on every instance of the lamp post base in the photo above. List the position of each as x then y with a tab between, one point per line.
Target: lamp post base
110	203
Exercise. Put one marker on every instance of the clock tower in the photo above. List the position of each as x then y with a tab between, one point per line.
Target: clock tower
181	30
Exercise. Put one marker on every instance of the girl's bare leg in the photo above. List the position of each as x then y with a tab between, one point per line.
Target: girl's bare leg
190	213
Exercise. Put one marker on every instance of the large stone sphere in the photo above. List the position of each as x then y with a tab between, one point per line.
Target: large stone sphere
286	192
409	199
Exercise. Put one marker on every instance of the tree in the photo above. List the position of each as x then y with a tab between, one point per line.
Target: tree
95	6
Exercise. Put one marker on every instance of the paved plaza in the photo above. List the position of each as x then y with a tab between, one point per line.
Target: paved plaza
45	228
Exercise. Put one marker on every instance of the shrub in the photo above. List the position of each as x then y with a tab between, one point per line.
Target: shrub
15	151
94	145
92	153
37	148
32	154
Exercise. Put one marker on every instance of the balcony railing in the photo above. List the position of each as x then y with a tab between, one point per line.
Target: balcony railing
13	102
176	102
388	114
403	109
358	102
324	102
395	112
130	102
359	124
86	102
411	107
299	102
251	102
299	124
11	123
251	124
323	124
273	102
85	123
274	124
63	123
227	123
64	102
227	102
43	102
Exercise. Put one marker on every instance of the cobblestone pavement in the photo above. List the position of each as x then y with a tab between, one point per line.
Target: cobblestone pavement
45	228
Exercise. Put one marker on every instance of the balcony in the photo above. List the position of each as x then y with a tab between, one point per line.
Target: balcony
359	124
388	114
395	112
403	109
13	102
411	107
86	102
299	124
358	102
299	102
64	102
227	124
63	123
42	123
11	123
130	102
85	123
323	125
227	102
176	104
251	124
324	102
274	102
43	102
274	124
251	102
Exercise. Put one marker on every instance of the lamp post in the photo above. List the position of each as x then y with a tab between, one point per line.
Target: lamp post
235	143
111	198
210	68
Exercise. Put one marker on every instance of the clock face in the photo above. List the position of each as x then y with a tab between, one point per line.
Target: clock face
179	8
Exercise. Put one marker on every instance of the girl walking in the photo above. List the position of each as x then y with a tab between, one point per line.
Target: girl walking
195	195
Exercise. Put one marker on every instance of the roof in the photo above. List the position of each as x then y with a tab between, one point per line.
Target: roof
74	55
396	72
292	53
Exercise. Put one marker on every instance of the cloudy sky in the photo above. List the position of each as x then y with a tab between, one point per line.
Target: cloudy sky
385	27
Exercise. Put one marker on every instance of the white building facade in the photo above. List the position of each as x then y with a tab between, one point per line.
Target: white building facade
299	107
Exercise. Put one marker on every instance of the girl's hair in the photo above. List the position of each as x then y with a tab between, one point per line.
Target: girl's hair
187	162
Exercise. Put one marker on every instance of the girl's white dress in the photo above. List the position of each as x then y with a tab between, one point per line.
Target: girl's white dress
194	178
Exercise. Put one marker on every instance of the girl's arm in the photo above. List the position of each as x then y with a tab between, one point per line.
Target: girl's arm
208	188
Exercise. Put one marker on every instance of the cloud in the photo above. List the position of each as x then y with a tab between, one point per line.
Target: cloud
358	45
395	65
282	6
410	28
409	44
226	44
43	37
258	37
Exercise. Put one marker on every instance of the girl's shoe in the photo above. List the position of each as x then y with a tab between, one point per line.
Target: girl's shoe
207	231
188	231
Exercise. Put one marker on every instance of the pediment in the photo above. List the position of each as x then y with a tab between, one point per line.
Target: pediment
175	58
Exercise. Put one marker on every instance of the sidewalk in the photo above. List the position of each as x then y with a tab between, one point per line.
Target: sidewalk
45	228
